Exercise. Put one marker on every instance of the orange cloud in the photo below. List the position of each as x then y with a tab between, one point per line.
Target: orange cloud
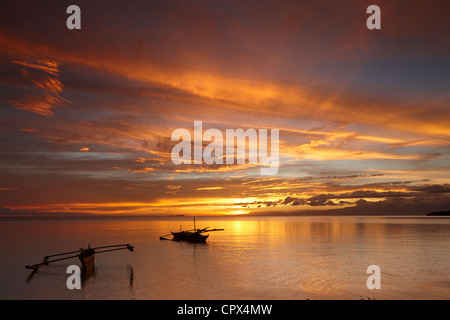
43	76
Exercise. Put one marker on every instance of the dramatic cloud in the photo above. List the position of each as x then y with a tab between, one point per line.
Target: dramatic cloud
86	115
42	76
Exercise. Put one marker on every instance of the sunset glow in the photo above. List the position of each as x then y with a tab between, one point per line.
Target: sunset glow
87	116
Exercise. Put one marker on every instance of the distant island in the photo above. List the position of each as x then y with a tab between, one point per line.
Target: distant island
439	213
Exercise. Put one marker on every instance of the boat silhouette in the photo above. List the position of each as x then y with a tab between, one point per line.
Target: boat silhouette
86	256
193	235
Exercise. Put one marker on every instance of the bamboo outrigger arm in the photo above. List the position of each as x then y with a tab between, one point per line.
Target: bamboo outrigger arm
45	261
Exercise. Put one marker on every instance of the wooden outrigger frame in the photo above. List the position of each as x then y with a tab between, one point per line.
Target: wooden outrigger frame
86	256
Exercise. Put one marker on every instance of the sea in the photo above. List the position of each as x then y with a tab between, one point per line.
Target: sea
253	258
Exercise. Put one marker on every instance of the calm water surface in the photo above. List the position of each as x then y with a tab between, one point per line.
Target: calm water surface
254	258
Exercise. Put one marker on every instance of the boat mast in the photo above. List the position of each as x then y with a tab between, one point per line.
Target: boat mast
194	224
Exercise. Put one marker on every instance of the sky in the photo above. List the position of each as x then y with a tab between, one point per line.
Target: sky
86	116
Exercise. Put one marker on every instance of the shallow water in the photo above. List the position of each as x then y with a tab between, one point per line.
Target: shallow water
254	258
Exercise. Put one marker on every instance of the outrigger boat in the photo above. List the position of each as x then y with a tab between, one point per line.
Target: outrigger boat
193	235
86	256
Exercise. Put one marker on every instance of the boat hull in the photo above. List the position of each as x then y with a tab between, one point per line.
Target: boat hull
189	236
87	259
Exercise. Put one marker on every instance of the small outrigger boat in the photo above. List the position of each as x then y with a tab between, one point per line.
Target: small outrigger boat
194	235
86	256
